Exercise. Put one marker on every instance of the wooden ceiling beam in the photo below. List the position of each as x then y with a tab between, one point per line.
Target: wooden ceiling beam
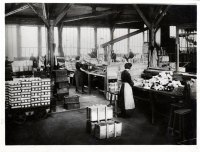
90	15
161	16
124	37
17	10
44	10
39	14
62	14
142	15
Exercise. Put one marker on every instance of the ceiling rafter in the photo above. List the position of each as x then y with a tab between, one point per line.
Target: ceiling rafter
39	14
124	37
91	15
17	10
142	15
44	10
62	14
161	16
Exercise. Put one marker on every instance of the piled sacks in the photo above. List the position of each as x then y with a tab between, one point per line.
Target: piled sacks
100	122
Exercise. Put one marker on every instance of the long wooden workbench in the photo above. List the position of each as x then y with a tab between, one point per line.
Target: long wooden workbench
155	97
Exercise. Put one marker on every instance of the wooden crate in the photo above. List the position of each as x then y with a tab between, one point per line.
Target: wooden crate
95	113
61	78
69	99
72	105
108	129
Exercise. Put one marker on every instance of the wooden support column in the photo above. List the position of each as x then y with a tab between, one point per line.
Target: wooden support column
39	41
79	41
60	47
128	44
95	41
177	49
19	49
111	36
152	36
51	45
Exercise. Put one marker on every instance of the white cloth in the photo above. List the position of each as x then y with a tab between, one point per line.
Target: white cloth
128	97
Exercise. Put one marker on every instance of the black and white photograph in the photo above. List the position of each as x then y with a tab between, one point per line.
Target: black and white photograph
99	74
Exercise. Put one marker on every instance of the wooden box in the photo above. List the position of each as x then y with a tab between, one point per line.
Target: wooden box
95	113
69	99
72	105
108	129
104	130
62	78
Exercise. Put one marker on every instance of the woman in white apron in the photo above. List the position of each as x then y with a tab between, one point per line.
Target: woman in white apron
126	102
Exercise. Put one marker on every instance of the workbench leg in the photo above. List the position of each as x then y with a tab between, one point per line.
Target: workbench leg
89	83
152	108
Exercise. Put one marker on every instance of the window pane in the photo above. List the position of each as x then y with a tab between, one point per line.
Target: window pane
121	46
103	36
87	40
11	41
29	41
136	42
44	40
70	37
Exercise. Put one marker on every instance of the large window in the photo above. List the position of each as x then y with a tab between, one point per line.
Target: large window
87	40
29	41
120	47
136	42
44	40
70	37
103	36
11	41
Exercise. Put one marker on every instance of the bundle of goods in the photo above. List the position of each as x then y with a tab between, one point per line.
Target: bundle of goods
163	81
45	91
14	94
71	102
25	93
100	124
35	92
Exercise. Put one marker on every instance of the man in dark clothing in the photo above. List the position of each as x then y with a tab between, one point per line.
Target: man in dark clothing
113	56
79	76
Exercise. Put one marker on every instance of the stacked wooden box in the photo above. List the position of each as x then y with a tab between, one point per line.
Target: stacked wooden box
45	91
36	92
6	94
26	93
61	83
71	102
15	94
100	122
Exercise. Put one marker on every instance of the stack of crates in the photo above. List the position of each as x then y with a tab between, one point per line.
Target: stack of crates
26	93
35	92
7	94
61	84
15	94
100	122
45	91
